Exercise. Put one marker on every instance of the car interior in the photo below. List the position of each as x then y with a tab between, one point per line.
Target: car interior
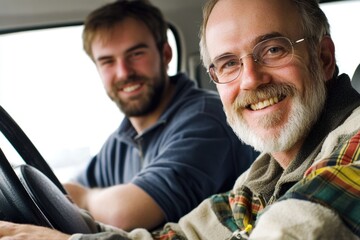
355	80
52	102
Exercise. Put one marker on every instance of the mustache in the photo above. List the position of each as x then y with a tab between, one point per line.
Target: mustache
246	98
131	79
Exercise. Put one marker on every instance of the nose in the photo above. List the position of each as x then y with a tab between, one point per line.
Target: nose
123	69
252	75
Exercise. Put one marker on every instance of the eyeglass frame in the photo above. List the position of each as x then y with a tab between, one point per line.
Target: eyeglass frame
292	43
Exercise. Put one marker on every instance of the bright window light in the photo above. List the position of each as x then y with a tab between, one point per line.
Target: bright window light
53	91
344	20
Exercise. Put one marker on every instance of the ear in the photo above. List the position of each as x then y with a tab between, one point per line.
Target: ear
327	56
167	53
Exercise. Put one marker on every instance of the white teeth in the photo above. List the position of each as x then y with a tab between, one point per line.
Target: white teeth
131	88
264	104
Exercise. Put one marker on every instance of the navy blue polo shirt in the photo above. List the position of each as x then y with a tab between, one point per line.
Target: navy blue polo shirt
188	155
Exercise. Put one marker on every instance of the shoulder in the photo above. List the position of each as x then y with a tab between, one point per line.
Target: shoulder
343	133
189	100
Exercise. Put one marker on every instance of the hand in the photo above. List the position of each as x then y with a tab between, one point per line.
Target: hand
77	194
13	231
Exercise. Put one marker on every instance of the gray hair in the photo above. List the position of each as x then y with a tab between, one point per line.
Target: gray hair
314	24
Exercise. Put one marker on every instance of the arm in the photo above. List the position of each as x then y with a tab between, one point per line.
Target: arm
29	232
181	168
133	207
298	219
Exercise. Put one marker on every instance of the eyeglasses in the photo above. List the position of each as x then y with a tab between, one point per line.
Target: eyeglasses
273	52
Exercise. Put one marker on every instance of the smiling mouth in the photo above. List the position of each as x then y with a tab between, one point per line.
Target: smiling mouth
265	103
131	88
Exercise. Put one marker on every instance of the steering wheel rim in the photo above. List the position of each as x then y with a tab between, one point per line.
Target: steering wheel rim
33	194
25	147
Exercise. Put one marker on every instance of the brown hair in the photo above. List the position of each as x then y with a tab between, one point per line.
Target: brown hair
106	17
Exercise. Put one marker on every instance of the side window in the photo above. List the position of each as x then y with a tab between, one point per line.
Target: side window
52	90
344	20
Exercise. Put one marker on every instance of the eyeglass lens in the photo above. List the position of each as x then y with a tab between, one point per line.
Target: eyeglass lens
274	52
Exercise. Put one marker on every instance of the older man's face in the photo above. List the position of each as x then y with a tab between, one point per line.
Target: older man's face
269	108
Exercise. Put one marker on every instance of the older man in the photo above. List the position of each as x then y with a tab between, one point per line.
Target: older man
274	65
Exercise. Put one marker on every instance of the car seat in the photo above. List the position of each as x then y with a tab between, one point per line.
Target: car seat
355	81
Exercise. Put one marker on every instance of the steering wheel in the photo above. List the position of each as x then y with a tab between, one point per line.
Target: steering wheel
31	193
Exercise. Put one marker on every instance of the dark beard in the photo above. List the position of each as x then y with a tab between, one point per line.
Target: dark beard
149	102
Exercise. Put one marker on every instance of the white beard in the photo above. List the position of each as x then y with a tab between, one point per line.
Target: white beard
305	110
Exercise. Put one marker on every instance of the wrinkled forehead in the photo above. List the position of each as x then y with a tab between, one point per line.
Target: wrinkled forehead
235	25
